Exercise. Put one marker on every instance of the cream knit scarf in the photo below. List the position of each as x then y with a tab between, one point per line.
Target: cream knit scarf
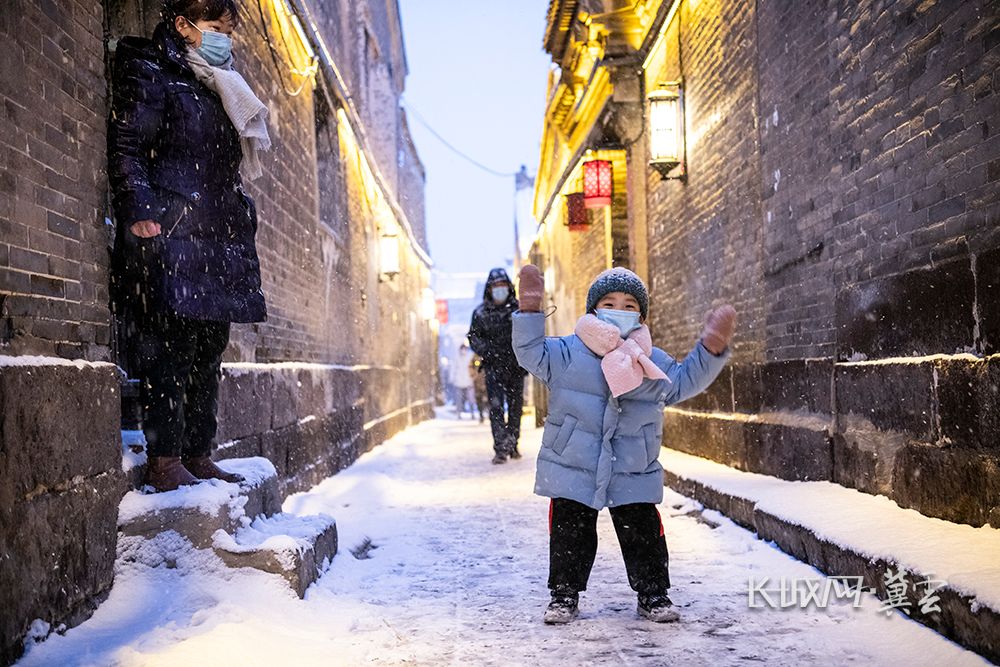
245	110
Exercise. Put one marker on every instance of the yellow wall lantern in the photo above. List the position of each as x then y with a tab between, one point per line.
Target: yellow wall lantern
388	255
666	130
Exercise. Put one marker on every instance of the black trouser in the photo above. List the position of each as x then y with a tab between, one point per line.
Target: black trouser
573	545
505	388
179	363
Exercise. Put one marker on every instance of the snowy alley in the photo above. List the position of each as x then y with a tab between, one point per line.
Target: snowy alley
456	576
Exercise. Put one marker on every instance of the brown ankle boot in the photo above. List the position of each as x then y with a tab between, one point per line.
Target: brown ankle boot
203	467
165	473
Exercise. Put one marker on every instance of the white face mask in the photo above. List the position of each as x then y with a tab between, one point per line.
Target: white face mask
500	293
627	321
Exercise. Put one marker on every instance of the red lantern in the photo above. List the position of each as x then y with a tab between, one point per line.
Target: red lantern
597	183
441	310
576	212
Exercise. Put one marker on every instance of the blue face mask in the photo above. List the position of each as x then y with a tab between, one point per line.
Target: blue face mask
216	47
627	321
500	294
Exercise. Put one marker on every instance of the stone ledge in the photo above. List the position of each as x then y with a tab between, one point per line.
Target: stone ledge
198	511
60	421
58	555
789	446
933	447
60	459
963	618
293	547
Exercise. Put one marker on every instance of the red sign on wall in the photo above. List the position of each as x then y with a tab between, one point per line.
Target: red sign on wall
441	307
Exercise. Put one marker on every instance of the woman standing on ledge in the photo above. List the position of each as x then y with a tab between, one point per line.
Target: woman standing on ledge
184	125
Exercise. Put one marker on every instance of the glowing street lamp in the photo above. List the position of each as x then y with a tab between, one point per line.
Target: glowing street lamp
666	130
428	304
388	256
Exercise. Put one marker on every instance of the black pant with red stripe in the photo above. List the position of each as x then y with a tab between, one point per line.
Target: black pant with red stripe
573	545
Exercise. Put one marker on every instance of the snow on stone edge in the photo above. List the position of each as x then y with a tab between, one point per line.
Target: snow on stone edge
284	535
967	558
133	459
207	496
34	360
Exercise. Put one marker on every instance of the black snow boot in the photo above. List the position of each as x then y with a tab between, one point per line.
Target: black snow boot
499	458
512	448
563	607
657	608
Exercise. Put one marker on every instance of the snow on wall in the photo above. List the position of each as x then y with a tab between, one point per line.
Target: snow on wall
34	360
964	556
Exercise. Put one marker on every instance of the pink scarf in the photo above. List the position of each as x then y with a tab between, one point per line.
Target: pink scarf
626	361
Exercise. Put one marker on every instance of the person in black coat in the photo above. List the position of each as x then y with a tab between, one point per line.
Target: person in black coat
489	335
185	264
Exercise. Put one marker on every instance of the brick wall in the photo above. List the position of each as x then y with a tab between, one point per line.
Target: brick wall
829	143
320	222
842	167
704	235
53	240
411	184
878	125
842	193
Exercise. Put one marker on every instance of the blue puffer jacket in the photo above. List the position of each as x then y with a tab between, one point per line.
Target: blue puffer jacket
596	449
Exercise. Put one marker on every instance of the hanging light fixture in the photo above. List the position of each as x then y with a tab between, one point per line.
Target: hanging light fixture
428	304
388	258
576	212
666	130
597	183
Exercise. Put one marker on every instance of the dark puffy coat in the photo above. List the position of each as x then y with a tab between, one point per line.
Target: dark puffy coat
174	157
490	331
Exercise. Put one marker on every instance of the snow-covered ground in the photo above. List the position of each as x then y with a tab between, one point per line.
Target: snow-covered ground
457	577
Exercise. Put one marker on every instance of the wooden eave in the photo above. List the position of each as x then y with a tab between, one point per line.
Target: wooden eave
561	15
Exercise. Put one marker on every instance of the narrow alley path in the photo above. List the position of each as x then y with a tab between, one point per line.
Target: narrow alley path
455	575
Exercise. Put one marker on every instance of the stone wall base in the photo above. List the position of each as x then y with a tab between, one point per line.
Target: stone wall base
961	619
922	431
61	464
60	483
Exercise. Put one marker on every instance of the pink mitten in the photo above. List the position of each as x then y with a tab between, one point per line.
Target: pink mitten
530	288
719	327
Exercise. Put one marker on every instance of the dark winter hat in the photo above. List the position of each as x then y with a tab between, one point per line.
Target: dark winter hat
618	279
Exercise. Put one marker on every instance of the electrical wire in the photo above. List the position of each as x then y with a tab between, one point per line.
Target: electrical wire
274	56
262	31
308	71
452	148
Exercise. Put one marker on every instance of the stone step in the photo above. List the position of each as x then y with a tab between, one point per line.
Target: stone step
198	511
298	548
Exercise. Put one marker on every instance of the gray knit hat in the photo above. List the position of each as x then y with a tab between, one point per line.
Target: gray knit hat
618	279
